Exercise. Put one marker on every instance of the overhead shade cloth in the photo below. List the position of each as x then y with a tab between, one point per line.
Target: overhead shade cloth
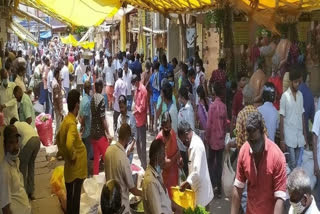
70	40
23	34
77	12
45	35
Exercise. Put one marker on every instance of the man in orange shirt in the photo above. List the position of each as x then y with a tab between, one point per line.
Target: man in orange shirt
140	113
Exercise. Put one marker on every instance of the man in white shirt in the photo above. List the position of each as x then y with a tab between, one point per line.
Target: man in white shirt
110	76
186	113
127	77
30	145
65	77
316	153
80	70
8	103
117	166
300	192
198	178
13	197
120	88
292	128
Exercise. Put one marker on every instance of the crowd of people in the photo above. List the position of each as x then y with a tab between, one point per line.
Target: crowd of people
188	114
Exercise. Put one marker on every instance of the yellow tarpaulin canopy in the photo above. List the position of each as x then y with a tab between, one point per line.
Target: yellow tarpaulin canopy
70	40
23	34
77	12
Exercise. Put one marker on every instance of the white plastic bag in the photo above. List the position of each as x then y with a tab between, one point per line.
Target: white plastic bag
228	176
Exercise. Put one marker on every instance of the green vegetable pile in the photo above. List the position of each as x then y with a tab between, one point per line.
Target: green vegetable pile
140	207
44	118
197	210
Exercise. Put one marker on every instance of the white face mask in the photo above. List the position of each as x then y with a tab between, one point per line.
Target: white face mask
13	157
297	207
198	68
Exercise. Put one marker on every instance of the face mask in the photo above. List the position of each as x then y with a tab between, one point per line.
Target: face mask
134	87
198	68
171	83
158	169
297	207
5	83
256	148
13	157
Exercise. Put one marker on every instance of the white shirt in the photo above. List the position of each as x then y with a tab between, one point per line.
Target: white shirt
199	178
117	167
155	196
316	131
50	79
186	113
7	98
12	188
313	209
26	131
65	77
109	72
80	70
197	83
127	79
292	111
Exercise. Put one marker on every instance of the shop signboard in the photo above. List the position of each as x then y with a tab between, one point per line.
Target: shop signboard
240	33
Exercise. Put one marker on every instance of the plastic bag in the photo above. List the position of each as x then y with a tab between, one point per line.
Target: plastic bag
58	186
228	176
44	128
186	199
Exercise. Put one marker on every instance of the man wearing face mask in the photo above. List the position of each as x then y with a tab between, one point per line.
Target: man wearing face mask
26	111
13	197
155	195
198	177
261	165
8	103
72	149
117	166
140	113
300	192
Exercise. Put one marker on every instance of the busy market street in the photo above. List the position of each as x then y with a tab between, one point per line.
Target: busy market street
159	106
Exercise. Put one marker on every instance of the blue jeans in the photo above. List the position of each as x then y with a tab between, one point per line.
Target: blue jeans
87	143
67	92
294	157
129	102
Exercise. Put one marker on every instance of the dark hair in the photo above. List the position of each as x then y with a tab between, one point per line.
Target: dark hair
222	64
261	62
156	65
167	91
269	92
165	118
98	85
183	127
200	62
120	74
13	120
57	69
202	95
174	60
296	71
111	198
122	99
87	85
254	122
72	99
7	64
240	76
184	68
191	73
124	131
17	89
135	78
184	92
148	65
218	89
155	147
138	56
164	60
7	133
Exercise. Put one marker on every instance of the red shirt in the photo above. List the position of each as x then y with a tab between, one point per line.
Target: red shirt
267	182
140	108
216	124
237	103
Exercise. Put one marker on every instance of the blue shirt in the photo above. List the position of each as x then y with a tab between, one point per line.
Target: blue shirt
271	118
85	111
308	103
155	92
163	71
136	68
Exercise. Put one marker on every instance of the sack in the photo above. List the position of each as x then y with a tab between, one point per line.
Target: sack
44	127
58	186
228	176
